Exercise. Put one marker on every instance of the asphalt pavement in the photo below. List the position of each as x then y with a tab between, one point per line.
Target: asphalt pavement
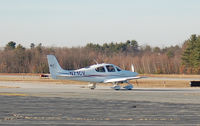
23	104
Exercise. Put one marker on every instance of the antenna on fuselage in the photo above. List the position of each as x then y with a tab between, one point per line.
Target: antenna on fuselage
96	61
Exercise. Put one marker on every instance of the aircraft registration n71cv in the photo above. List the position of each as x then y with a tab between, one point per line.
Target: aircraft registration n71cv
98	73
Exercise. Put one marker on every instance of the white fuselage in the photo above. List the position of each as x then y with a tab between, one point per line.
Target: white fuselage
90	74
99	73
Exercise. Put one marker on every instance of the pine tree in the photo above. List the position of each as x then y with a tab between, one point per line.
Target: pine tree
191	55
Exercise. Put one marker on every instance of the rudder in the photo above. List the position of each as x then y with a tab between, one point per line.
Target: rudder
54	67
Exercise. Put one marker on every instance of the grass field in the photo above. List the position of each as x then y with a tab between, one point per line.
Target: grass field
140	83
161	83
172	75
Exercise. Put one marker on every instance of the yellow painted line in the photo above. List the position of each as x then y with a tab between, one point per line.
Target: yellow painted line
13	94
8	87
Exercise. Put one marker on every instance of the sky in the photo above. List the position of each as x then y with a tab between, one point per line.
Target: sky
73	23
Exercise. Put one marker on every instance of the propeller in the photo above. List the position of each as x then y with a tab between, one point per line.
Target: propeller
132	68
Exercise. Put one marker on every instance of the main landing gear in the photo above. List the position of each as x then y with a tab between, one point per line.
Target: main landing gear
117	87
92	86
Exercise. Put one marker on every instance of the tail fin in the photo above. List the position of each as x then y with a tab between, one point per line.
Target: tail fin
54	66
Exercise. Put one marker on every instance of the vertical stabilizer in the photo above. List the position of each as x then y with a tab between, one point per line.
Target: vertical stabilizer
54	66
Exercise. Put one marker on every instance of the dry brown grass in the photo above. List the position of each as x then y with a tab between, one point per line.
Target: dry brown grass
141	83
39	80
171	75
161	83
21	74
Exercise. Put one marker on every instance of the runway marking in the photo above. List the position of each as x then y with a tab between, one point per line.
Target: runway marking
8	87
18	116
13	94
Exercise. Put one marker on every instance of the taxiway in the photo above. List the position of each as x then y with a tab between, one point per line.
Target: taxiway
58	104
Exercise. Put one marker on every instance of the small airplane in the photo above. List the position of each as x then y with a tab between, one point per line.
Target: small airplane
98	73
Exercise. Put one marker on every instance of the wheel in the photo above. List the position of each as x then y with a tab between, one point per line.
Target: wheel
128	87
92	86
116	87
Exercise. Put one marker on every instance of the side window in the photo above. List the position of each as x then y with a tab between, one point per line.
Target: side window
118	69
110	68
100	69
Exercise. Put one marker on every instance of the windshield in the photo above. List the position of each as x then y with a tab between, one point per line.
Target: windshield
118	69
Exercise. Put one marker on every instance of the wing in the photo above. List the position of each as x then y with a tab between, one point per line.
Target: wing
120	79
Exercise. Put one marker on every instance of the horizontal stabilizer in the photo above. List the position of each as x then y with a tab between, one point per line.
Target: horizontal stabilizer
67	75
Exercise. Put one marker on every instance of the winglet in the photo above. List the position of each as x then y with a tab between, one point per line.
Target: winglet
132	68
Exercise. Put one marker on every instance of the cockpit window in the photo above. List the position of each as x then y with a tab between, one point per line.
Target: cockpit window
110	68
100	69
118	69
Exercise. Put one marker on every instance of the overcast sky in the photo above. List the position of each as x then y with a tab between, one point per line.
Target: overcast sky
77	22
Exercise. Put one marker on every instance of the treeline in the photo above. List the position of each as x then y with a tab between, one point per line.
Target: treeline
146	59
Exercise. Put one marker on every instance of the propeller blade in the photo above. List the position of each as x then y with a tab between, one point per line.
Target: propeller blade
132	68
